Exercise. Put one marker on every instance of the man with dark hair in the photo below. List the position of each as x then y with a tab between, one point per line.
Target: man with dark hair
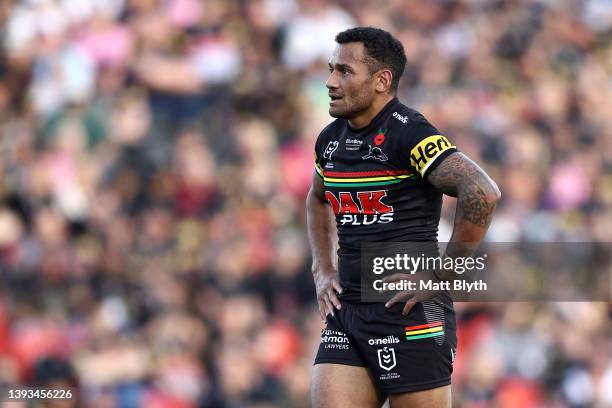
382	50
382	169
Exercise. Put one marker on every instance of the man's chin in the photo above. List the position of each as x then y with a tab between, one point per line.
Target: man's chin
337	113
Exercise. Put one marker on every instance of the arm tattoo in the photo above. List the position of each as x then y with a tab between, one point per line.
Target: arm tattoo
477	195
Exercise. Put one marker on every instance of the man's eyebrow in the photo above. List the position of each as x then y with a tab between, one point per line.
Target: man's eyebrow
341	66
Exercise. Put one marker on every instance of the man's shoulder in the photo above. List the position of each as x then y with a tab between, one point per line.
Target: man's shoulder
333	128
328	138
407	117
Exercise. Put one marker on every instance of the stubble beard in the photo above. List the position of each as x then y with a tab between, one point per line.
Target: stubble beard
358	105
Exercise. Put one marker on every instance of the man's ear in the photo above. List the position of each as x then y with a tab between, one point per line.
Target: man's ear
383	83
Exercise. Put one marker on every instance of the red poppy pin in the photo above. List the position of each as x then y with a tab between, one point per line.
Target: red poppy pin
380	137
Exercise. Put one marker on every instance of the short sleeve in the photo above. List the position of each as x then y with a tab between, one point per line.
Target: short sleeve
318	156
324	149
426	148
317	166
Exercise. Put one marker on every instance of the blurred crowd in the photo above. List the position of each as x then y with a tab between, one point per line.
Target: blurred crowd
154	160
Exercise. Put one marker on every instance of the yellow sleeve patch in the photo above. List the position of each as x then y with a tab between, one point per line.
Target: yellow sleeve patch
427	151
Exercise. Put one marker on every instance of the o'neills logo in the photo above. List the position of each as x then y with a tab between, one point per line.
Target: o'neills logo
426	152
383	342
401	118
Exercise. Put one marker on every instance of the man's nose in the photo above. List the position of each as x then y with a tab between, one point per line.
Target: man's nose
332	81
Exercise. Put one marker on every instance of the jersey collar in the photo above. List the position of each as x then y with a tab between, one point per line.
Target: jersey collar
375	121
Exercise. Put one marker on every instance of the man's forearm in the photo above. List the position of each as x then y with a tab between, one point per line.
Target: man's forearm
476	201
320	233
477	196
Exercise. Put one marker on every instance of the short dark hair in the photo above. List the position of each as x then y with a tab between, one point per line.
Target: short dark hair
382	50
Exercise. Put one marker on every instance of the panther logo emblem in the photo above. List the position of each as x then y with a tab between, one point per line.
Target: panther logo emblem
375	153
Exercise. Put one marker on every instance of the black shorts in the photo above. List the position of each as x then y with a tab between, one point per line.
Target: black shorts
403	353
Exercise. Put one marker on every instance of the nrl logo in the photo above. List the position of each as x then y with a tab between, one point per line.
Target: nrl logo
330	149
386	358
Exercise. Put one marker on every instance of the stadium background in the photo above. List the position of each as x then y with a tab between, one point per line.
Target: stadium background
154	161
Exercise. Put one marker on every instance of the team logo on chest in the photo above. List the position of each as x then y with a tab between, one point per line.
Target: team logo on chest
376	152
